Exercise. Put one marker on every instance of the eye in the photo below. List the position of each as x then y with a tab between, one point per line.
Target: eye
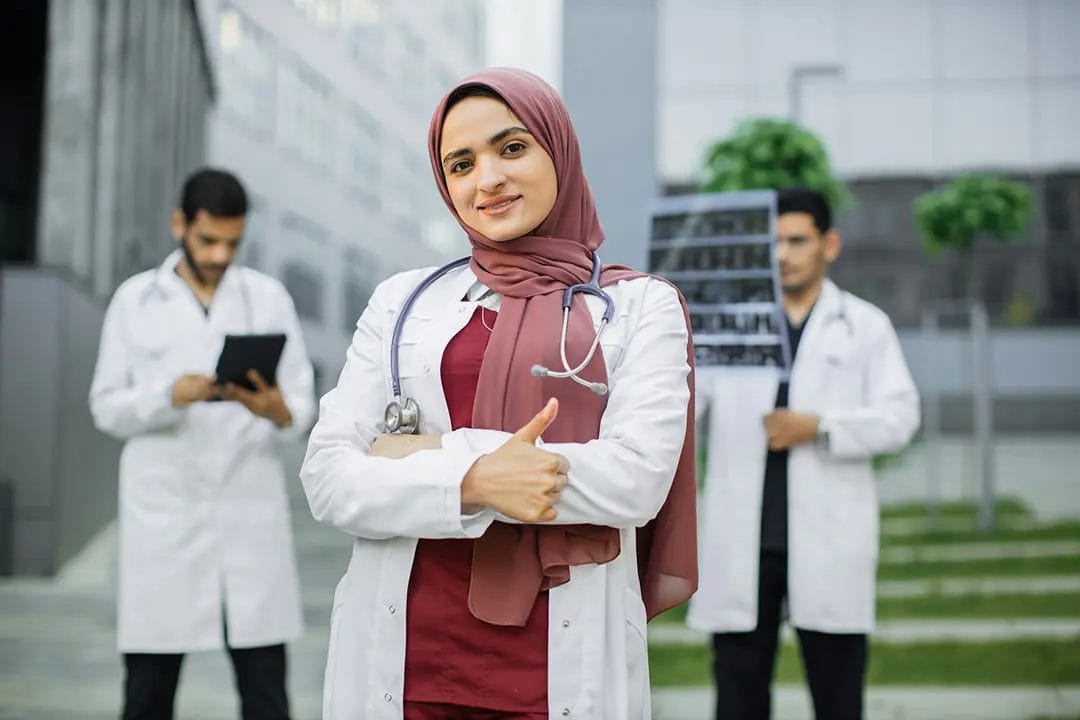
460	166
514	147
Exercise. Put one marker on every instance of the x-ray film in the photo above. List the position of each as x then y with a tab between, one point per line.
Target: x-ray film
719	250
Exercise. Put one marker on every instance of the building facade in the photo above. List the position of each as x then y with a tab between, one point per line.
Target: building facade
103	114
324	113
905	95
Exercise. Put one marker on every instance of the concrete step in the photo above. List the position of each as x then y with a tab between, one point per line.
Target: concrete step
892	703
979	551
914	631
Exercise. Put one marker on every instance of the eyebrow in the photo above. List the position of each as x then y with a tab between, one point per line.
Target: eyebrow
211	239
494	140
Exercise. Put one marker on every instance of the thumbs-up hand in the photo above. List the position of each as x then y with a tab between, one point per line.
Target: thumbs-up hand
519	479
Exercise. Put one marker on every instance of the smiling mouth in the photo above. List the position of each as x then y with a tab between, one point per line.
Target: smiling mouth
500	207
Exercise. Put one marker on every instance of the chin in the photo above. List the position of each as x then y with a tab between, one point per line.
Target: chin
503	233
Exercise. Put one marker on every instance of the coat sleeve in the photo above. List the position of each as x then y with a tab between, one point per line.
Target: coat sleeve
121	406
295	376
373	497
622	478
889	415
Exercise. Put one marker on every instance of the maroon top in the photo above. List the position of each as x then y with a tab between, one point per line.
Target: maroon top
450	655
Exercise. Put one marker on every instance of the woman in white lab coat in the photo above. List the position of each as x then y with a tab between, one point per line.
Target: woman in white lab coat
491	577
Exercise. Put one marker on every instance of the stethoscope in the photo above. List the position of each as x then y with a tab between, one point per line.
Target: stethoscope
402	415
841	315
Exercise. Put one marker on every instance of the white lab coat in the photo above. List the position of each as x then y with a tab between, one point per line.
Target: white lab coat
849	370
203	510
598	666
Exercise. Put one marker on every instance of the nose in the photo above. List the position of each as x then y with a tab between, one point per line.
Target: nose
489	174
221	255
782	250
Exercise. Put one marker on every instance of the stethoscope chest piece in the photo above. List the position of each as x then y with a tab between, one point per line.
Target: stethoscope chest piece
402	416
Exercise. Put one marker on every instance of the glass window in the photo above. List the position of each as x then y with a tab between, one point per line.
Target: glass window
363	160
305	285
361	277
364	24
255	234
323	13
247	71
307	129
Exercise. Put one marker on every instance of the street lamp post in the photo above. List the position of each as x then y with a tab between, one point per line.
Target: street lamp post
795	79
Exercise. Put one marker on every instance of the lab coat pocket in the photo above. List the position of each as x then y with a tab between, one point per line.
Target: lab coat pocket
637	656
412	359
842	378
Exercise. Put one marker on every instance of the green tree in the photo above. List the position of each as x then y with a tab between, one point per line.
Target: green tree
970	207
771	153
967	209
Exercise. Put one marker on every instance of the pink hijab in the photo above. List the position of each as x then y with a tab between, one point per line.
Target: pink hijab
512	564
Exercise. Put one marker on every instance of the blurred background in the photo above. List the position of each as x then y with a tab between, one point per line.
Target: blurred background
944	130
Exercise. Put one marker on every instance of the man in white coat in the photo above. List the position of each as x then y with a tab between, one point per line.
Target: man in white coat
206	549
791	512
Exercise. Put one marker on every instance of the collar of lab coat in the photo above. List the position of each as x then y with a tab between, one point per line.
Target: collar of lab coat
828	303
167	281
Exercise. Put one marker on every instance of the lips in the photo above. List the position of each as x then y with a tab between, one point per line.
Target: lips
499	205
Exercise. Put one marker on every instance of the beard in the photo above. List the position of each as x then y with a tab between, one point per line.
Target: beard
197	270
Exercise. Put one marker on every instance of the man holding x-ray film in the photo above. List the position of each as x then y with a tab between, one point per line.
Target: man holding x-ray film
790	511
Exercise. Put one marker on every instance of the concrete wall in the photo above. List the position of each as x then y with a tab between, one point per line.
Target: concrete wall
127	89
323	113
127	93
1034	373
609	83
61	470
913	87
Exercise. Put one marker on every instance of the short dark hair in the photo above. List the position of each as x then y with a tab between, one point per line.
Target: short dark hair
805	200
472	90
218	192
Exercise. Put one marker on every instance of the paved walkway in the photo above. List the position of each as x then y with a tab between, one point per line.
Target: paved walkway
58	659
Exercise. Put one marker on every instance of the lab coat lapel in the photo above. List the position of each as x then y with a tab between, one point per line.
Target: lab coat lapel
438	315
808	376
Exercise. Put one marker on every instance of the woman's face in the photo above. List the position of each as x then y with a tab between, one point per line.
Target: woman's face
500	179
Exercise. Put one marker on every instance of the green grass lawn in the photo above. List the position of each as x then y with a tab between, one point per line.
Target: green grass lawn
1005	507
1054	531
980	606
936	663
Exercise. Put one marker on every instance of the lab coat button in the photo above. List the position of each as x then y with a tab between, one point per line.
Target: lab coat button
566	623
392	609
565	711
427	369
387	697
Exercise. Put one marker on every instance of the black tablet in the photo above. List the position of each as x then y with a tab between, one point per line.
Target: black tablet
249	352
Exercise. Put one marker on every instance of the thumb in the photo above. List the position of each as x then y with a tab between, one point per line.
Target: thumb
532	430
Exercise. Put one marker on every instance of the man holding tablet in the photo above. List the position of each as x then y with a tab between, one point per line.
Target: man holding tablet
206	549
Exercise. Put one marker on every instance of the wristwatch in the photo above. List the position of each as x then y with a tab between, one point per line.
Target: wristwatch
822	437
